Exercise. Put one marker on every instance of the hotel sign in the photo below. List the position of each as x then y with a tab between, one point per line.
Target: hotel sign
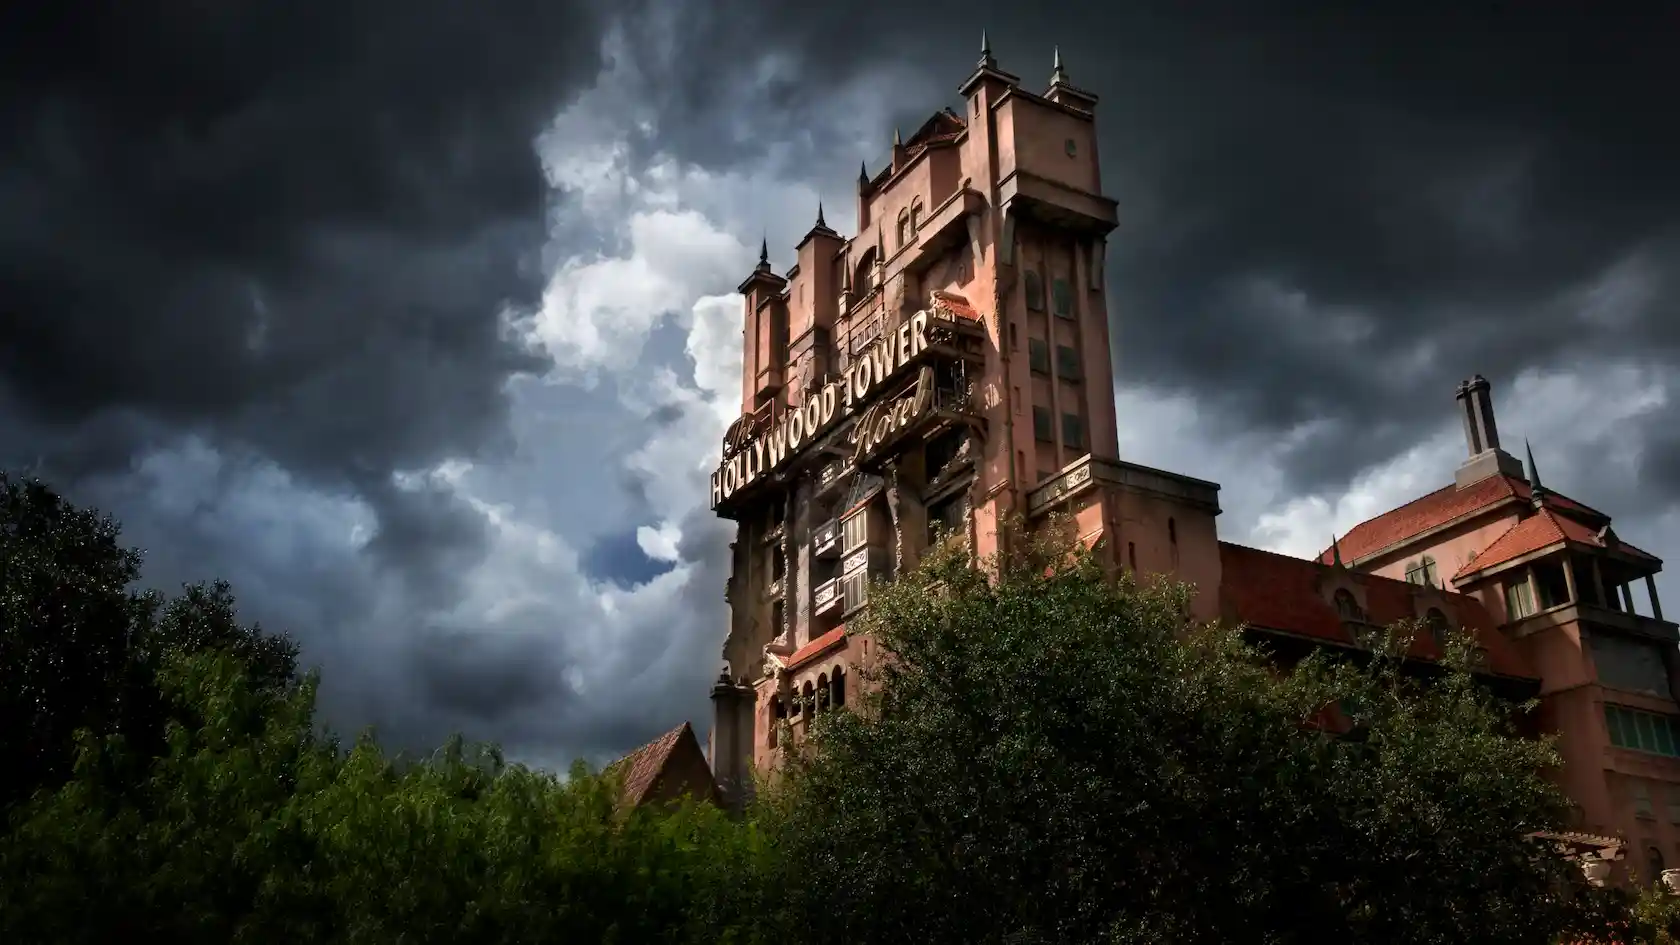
822	409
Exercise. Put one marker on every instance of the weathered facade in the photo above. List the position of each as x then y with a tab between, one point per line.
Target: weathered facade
948	367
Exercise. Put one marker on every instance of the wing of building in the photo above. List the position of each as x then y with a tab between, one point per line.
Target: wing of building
947	367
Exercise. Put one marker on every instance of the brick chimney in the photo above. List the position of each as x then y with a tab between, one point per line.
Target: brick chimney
1481	435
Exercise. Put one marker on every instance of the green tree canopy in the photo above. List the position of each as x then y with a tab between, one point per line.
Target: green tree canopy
81	646
1051	758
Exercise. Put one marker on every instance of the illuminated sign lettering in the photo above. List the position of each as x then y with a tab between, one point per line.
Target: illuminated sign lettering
821	409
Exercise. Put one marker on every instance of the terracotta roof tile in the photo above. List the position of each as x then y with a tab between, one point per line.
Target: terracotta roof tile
1540	530
1437	509
1277	592
817	647
641	768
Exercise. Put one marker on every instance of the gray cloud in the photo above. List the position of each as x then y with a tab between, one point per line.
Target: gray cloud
255	261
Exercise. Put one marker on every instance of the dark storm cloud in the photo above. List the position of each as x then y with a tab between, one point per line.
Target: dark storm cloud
293	225
1323	213
287	231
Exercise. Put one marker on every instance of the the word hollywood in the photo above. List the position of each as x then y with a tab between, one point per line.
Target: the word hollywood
821	409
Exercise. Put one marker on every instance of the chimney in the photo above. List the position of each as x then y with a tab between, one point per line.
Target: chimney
1481	435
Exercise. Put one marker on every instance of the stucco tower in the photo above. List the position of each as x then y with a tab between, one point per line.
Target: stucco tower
945	367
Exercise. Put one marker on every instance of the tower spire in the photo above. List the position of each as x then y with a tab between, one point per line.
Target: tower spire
986	60
898	139
1535	487
764	253
1335	551
821	224
863	174
1058	76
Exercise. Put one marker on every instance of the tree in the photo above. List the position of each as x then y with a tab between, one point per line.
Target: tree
252	827
82	647
1049	757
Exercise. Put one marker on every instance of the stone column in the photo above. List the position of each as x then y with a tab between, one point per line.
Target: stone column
1569	578
1651	589
1627	599
731	739
1598	584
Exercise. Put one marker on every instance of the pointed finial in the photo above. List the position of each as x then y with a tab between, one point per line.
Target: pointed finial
898	139
1059	75
863	175
764	252
821	225
986	60
1535	487
880	245
1335	551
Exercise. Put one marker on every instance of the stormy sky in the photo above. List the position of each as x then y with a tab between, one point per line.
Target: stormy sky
413	319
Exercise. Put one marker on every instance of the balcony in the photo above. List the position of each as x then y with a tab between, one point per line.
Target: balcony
825	542
1633	624
826	597
872	559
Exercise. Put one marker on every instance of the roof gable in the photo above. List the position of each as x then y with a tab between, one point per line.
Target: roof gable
1443	506
643	768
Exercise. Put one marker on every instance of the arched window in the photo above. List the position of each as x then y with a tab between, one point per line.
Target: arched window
1172	531
1437	624
1034	285
1346	607
822	693
863	278
838	683
809	698
904	227
1131	554
916	216
778	715
1654	863
1422	572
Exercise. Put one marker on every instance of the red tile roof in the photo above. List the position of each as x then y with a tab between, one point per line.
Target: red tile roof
1437	509
1276	592
642	767
1540	530
817	647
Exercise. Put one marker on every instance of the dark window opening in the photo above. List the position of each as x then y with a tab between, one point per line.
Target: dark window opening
1042	430
903	228
1073	431
1346	606
1061	298
915	216
1550	583
1014	338
838	684
1131	554
1172	530
1038	355
1067	363
1437	624
778	615
822	693
947	518
943	449
778	564
1654	863
1033	283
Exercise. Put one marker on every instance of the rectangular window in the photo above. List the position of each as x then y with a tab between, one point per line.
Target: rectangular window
778	616
854	591
778	564
1073	431
1643	731
1061	298
1519	600
1067	363
855	531
1041	425
1038	355
1674	805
